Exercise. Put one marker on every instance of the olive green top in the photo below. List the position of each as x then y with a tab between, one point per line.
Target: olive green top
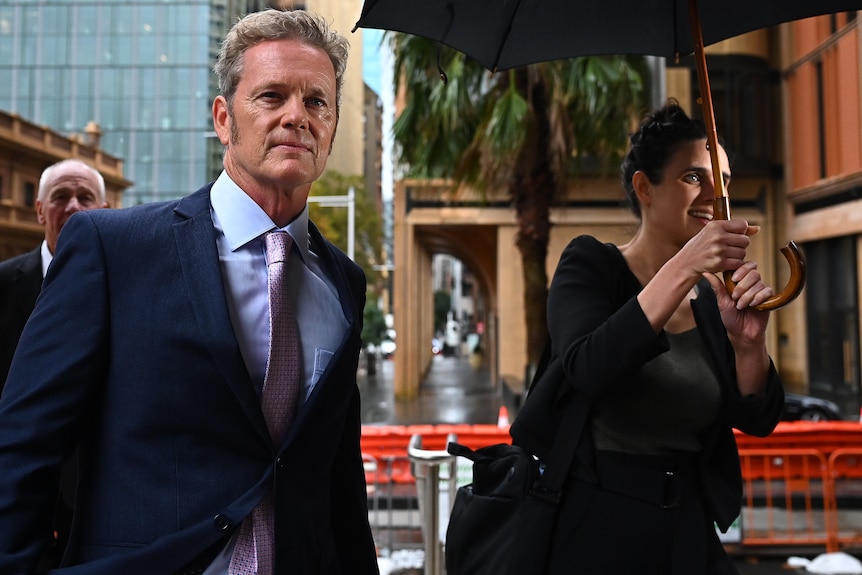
667	409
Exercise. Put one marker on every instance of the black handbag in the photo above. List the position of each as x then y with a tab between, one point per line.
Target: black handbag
503	522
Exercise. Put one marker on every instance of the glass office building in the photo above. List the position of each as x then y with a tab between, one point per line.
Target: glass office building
140	69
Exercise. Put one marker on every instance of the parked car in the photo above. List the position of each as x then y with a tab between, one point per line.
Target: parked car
798	407
387	348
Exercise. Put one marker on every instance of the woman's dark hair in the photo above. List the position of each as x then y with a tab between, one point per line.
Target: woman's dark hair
658	137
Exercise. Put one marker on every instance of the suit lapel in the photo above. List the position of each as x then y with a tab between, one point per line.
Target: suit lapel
27	281
196	244
337	275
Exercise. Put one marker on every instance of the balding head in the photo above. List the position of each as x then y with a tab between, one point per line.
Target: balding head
67	187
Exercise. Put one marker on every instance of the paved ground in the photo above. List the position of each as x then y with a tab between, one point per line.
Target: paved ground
454	392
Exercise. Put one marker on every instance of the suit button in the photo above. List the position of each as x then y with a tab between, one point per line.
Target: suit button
279	463
222	523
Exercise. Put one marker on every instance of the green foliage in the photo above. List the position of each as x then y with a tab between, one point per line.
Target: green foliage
523	131
478	126
442	305
333	224
374	324
606	88
436	126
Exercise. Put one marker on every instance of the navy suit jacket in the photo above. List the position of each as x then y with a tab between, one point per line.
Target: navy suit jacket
131	353
20	282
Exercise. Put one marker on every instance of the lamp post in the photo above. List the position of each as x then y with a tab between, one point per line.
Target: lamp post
348	200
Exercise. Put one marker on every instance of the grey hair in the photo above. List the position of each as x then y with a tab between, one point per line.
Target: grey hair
272	24
48	173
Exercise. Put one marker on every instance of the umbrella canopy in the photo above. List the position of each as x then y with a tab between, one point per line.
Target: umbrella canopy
502	34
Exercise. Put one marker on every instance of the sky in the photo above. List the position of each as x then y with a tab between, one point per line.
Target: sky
371	71
374	73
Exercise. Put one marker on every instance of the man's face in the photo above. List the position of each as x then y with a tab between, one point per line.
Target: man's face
72	188
279	128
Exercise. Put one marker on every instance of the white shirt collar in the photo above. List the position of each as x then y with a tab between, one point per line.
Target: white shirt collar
47	256
243	220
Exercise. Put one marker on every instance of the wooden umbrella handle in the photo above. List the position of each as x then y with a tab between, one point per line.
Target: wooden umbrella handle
721	211
721	201
794	284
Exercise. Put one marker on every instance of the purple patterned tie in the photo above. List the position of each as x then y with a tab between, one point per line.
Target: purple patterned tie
254	552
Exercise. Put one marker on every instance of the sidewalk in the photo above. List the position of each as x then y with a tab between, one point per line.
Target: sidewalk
452	392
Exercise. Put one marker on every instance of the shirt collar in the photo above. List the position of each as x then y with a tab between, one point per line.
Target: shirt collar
242	220
47	256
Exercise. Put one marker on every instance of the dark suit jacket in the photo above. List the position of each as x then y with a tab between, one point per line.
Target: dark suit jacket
20	283
601	336
131	349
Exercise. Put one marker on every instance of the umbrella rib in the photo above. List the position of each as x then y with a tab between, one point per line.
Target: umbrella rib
507	28
451	10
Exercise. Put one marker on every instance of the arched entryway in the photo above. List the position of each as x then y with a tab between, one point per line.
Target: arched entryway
416	244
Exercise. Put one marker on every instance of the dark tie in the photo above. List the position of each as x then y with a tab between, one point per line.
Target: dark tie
254	552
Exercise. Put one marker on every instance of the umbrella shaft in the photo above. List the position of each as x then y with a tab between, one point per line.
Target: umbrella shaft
706	103
721	208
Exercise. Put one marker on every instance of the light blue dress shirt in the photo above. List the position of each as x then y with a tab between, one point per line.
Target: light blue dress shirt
240	225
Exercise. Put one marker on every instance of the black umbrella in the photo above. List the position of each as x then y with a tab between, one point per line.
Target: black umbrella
502	34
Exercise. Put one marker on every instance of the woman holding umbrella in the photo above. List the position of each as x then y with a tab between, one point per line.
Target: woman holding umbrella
670	362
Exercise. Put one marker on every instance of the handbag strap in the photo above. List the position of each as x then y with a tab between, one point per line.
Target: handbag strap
549	486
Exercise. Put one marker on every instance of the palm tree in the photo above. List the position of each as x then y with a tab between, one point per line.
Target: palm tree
525	130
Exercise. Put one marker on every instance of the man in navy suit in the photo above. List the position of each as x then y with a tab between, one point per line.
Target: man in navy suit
66	187
148	349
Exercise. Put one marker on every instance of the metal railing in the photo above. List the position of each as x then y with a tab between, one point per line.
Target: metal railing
433	510
393	510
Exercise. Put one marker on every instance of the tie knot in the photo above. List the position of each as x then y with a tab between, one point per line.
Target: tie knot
278	244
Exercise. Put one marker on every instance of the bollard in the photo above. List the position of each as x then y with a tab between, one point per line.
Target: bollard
425	465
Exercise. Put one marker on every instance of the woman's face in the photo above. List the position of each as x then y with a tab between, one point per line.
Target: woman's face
681	204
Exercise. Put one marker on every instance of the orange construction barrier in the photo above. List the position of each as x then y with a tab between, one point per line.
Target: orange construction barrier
802	483
845	471
787	497
825	436
387	445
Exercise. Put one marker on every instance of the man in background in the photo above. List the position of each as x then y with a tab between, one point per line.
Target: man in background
66	187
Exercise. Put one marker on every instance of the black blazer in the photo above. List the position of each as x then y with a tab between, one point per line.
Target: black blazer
20	283
131	351
594	316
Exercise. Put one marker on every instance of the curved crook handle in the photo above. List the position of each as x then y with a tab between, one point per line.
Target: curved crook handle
794	285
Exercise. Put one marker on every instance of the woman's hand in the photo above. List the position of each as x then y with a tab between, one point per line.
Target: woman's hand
743	322
721	245
750	291
745	325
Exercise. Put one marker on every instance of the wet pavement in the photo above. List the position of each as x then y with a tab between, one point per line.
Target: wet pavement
453	392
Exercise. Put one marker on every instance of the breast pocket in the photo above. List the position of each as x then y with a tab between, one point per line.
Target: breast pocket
322	357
